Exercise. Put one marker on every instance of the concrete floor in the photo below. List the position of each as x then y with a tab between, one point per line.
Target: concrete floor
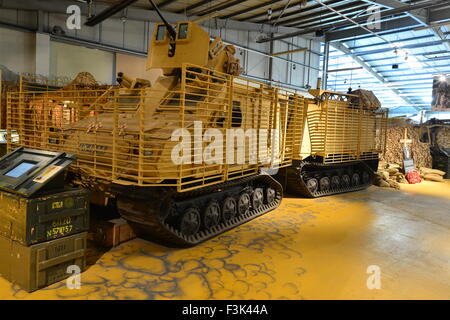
307	249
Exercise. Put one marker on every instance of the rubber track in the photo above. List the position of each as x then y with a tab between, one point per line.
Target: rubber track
150	223
298	185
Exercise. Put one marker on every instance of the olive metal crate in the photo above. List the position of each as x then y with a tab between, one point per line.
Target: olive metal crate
42	264
45	217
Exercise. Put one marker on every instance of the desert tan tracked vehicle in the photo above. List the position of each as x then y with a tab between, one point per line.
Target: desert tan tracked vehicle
184	158
343	139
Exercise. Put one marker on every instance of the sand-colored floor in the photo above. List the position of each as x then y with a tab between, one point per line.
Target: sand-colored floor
306	249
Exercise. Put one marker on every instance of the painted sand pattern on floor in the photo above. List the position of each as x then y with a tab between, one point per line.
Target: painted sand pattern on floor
306	249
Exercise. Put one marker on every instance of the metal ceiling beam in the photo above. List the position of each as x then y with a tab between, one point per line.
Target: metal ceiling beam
323	22
138	14
353	33
342	47
165	3
280	9
415	14
220	7
316	14
249	9
382	43
355	76
384	33
193	6
363	20
319	15
206	17
423	61
108	12
410	46
440	15
344	69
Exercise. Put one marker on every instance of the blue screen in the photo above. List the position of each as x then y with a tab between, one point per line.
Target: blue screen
20	169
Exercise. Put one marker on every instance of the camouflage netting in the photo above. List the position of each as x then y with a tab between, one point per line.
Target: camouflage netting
9	82
6	87
83	80
368	99
443	137
394	148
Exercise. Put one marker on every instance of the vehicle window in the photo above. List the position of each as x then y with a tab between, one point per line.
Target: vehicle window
183	31
161	33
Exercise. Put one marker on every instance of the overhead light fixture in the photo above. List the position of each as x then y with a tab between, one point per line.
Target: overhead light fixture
269	14
442	55
320	33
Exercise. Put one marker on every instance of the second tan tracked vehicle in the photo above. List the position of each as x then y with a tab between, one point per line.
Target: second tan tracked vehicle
344	136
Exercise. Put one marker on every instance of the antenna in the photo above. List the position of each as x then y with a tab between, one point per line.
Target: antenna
172	32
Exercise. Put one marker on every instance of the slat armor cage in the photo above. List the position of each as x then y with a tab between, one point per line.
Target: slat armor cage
342	130
160	137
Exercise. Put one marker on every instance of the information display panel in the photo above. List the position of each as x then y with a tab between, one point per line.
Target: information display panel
26	171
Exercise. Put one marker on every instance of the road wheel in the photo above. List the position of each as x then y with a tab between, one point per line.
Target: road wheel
324	184
190	222
257	198
243	204
270	195
335	182
229	209
212	215
356	180
312	185
345	180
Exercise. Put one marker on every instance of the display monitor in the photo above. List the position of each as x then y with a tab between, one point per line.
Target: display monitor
20	169
27	171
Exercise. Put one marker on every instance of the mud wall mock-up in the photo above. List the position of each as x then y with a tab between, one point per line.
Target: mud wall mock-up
394	148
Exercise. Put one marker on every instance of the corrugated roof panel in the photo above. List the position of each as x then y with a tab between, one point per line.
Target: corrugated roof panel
420	55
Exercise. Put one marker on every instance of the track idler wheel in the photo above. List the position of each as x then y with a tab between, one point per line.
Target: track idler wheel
190	222
243	204
229	209
365	177
211	216
257	198
324	184
312	185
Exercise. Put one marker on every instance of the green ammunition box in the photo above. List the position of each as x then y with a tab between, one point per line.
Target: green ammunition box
45	217
42	264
